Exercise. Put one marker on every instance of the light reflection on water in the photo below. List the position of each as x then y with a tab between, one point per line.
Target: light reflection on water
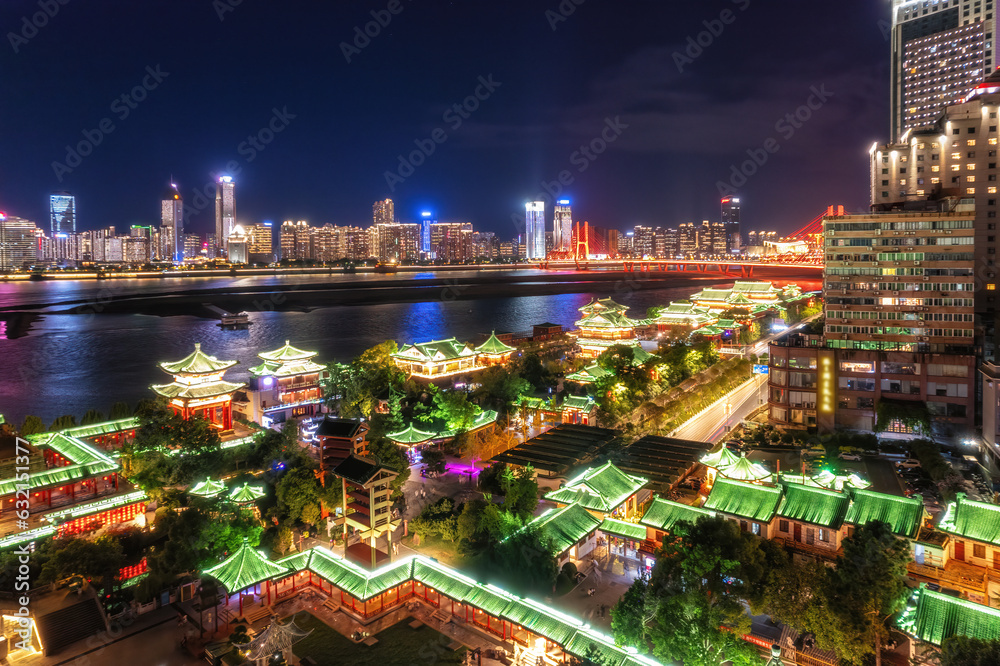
69	364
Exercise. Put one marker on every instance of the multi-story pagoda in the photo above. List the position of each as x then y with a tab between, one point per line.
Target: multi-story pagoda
285	385
604	324
198	388
367	507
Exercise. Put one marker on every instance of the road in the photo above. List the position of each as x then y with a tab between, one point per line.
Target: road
716	420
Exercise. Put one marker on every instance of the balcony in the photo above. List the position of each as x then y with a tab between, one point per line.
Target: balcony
954	574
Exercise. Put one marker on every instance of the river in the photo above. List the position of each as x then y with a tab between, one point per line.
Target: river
70	363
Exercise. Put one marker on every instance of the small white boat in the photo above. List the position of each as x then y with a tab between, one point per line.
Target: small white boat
238	320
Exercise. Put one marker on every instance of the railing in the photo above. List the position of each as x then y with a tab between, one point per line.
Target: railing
952	576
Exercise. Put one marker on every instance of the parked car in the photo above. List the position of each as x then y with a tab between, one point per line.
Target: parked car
908	463
849	456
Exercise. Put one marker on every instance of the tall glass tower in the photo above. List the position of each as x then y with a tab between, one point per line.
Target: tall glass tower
534	230
62	213
562	227
731	220
225	212
172	225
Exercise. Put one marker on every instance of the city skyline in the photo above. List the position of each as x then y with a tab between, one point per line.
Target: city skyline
663	168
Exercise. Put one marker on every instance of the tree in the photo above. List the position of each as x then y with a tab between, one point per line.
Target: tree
98	558
91	417
32	425
285	539
520	492
368	378
865	589
523	563
296	490
454	408
696	588
63	422
434	460
500	388
965	651
530	367
628	616
120	410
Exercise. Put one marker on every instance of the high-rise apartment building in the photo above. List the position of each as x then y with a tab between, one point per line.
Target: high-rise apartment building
643	241
225	211
426	220
383	212
534	230
940	50
562	227
957	156
171	225
899	336
731	222
18	242
397	242
687	239
192	246
62	213
238	246
260	243
451	241
294	240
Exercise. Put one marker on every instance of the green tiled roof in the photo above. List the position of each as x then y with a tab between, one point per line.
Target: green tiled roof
207	488
932	617
36	534
100	505
92	430
664	514
755	288
623	529
582	402
410	436
246	493
745	470
603	305
746	500
589	374
494	346
58	475
903	514
287	353
827	479
607	319
721	458
286	368
197	391
601	488
245	568
973	520
569	632
481	420
818	506
436	350
74	450
196	363
565	526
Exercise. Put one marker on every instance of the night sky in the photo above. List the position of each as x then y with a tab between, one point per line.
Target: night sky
610	66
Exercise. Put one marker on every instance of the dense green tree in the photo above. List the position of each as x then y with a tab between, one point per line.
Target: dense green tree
297	489
965	651
63	422
389	454
533	370
499	388
99	558
434	460
520	492
523	563
696	588
628	616
32	426
864	590
92	416
455	409
369	378
120	410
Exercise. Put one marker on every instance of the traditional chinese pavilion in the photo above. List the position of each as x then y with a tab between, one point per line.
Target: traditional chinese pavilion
493	351
605	324
285	385
435	359
198	388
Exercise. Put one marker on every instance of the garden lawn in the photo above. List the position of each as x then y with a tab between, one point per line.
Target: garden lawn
399	644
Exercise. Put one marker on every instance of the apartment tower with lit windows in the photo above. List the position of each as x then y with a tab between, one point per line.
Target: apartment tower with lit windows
940	50
225	213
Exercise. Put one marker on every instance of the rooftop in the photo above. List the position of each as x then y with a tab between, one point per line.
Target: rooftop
196	363
978	521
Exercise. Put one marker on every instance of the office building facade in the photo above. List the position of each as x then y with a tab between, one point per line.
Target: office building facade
225	212
62	213
172	225
731	222
534	230
562	227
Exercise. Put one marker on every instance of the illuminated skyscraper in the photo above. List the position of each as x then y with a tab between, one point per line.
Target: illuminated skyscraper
18	242
941	50
225	211
534	230
426	220
62	213
731	220
172	225
562	227
383	212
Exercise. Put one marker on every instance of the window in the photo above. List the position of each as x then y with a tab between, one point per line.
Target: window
783	526
755	527
978	550
824	535
970	190
970	179
970	142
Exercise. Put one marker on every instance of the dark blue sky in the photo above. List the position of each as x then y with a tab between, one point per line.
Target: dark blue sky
678	133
